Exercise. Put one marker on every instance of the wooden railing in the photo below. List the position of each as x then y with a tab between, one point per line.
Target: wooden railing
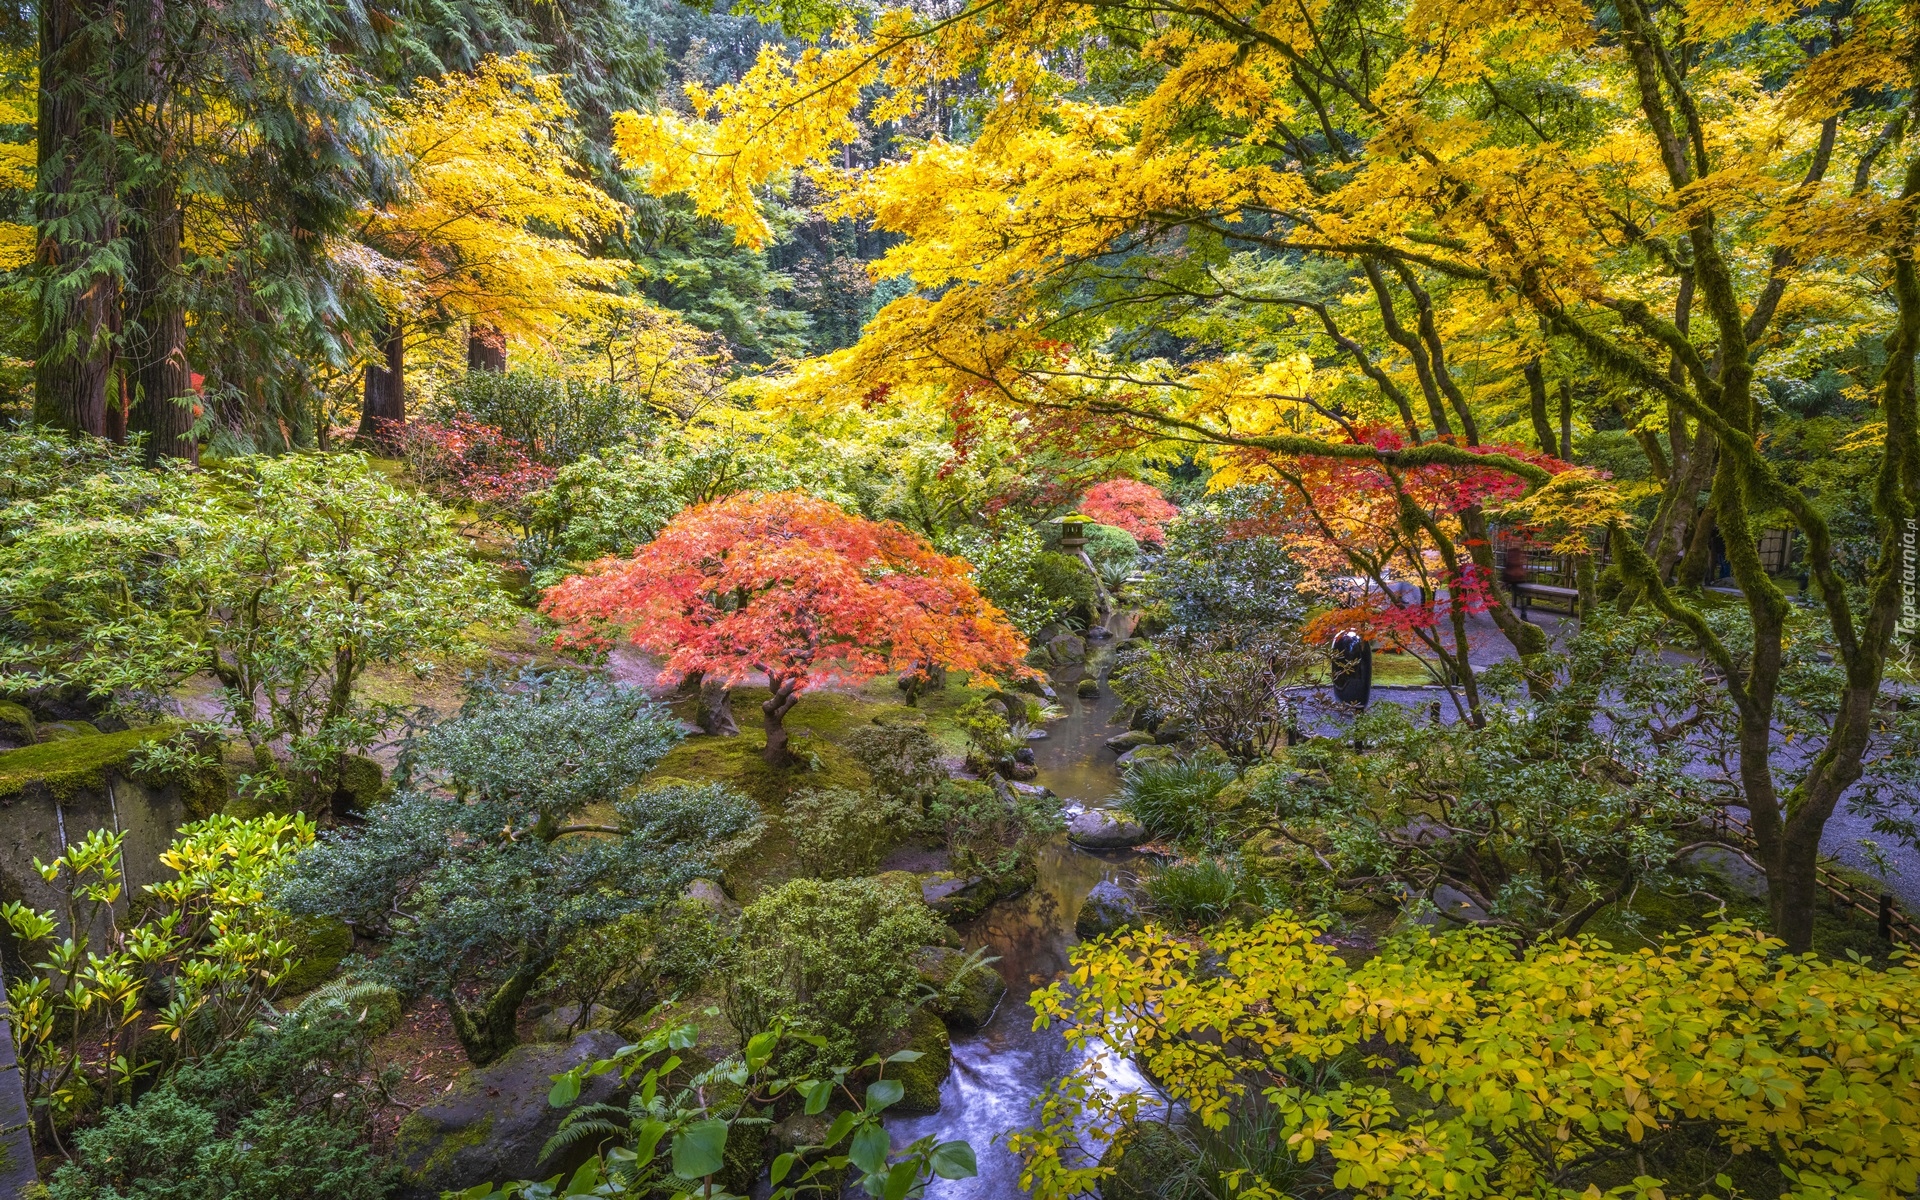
1896	926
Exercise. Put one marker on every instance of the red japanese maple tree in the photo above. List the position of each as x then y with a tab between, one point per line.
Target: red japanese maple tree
1128	504
793	587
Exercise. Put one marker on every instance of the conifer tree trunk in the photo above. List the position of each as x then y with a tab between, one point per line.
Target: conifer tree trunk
74	219
383	407
486	350
163	407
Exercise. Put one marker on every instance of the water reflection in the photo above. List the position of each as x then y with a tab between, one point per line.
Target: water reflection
998	1071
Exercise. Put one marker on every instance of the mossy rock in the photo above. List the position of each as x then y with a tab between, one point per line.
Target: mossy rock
363	784
76	764
1150	1154
926	1033
493	1124
966	1002
17	728
60	731
319	944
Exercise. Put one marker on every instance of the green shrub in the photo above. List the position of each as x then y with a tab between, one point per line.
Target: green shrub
1008	569
983	833
636	962
838	832
608	503
1202	891
831	959
559	420
1174	799
904	760
1065	581
278	1116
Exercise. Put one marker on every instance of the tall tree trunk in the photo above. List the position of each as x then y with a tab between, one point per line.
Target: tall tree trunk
383	409
75	219
486	349
164	408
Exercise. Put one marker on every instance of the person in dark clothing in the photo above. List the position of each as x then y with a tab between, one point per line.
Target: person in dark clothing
1513	573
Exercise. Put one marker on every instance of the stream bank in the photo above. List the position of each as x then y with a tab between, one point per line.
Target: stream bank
1000	1070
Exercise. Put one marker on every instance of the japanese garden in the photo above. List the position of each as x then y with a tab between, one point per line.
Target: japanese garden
964	600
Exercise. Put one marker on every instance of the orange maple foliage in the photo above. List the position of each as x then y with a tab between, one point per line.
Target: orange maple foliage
794	587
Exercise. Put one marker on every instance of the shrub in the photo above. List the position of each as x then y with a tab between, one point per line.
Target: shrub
557	420
637	961
283	578
984	834
1065	582
1227	691
278	1116
1201	891
1174	799
1562	1070
607	503
903	760
831	959
1008	569
839	832
483	893
199	966
1213	576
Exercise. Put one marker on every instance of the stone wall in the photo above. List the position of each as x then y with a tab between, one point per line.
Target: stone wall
55	793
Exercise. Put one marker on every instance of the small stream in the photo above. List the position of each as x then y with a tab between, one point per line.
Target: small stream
998	1071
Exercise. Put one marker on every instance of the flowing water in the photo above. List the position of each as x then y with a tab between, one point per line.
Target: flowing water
998	1071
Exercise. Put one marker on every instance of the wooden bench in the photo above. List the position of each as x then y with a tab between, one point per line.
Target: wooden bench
1524	593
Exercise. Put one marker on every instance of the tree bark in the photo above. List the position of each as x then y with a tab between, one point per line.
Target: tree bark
716	708
489	1032
163	408
383	409
486	350
75	219
774	710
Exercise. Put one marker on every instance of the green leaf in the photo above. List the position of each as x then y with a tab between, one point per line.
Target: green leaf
900	1180
781	1165
904	1056
760	1048
700	1149
841	1124
566	1089
870	1146
585	1180
646	1139
953	1160
882	1093
817	1092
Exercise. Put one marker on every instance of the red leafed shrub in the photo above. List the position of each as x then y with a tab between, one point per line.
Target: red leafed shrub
794	587
1128	504
465	464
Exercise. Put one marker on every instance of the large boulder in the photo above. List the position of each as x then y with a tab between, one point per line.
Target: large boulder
1120	743
1108	908
1146	754
1104	829
963	897
1067	648
494	1121
966	1000
922	1077
1088	688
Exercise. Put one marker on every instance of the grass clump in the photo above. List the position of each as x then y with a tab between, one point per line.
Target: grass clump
1201	891
1174	799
